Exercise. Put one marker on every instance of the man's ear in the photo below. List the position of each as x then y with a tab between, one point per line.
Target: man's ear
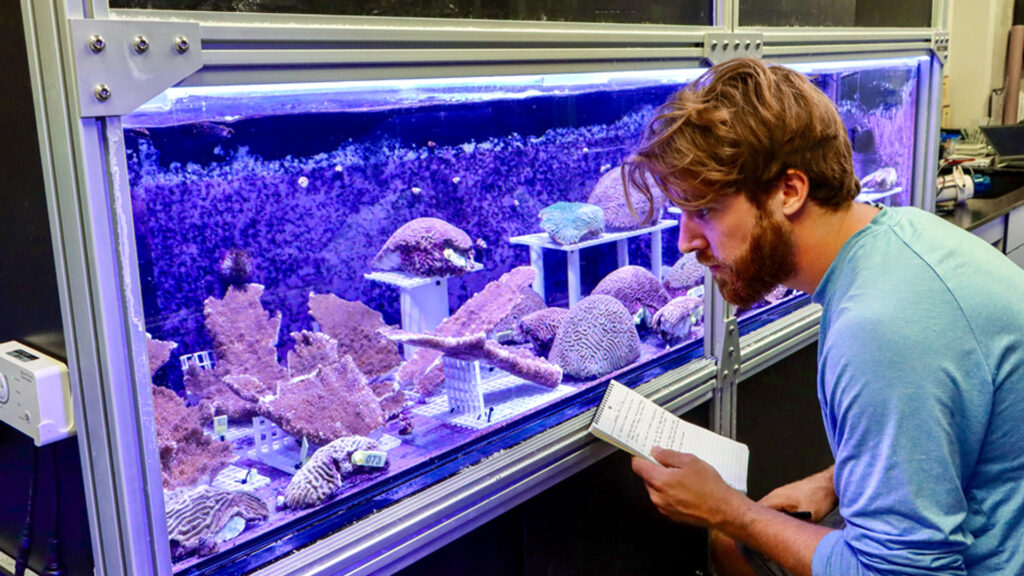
794	186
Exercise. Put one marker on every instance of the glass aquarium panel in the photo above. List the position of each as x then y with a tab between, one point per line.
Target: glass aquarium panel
837	13
877	101
680	12
351	285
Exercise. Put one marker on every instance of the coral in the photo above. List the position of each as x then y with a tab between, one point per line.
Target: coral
332	402
325	472
198	518
609	194
683	275
312	350
597	337
215	397
235	268
159	352
540	328
635	287
776	294
881	179
508	326
186	455
676	319
244	340
427	247
354	326
481	313
515	361
570	222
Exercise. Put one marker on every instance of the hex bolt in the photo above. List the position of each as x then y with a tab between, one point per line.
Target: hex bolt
181	44
141	44
96	43
102	92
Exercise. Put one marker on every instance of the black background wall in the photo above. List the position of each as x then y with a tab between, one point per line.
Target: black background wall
30	313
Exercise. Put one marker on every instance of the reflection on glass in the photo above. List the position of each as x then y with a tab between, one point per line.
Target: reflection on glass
688	12
837	13
347	282
877	103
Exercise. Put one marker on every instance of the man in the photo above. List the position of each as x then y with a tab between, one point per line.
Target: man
921	347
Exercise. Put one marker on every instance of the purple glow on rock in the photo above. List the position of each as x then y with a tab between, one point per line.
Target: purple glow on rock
158	352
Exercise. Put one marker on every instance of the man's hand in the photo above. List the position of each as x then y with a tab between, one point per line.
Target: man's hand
687	489
815	494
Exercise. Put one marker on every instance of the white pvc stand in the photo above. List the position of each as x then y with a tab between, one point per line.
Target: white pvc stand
424	301
541	241
872	195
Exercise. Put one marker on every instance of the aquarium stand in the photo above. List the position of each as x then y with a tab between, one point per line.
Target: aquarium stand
274	447
423	300
542	241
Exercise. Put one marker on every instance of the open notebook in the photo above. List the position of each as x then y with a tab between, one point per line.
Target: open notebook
635	424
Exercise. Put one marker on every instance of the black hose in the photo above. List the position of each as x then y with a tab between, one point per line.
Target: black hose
25	545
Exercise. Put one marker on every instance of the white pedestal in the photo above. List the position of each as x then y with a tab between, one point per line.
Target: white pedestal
542	241
423	301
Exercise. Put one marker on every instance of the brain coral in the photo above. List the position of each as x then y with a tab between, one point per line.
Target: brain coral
196	516
507	330
609	194
426	247
635	287
540	327
683	275
597	337
325	471
570	222
677	318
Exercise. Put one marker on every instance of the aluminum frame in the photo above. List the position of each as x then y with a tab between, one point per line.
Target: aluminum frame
90	216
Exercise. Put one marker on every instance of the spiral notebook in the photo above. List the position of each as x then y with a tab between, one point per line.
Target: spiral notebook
635	424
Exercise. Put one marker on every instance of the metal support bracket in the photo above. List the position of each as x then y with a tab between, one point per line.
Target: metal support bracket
722	46
121	65
724	401
940	46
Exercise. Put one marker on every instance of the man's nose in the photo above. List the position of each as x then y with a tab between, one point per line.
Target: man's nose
690	237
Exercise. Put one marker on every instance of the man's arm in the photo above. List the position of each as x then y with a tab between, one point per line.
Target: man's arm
815	494
687	489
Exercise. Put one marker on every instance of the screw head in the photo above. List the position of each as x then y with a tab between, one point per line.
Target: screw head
141	44
714	44
181	44
96	43
102	92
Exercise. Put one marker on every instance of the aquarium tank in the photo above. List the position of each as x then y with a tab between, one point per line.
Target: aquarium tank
347	283
356	286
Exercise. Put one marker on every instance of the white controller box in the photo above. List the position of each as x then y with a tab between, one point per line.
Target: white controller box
35	394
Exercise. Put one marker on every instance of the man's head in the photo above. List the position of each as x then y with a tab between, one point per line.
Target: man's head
725	148
737	129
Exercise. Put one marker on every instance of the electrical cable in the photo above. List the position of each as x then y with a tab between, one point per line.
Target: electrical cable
25	545
53	567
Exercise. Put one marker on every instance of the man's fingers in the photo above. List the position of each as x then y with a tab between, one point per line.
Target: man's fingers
671	458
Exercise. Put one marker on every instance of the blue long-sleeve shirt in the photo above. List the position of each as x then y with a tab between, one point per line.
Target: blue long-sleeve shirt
921	384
